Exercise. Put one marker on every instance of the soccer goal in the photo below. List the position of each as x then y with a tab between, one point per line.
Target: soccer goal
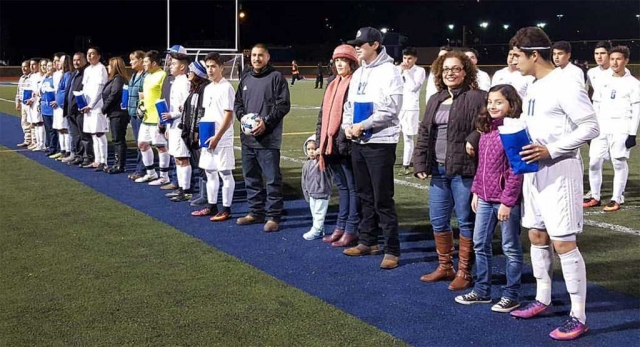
233	62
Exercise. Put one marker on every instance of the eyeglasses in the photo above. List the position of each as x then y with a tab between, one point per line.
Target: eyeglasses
358	45
454	70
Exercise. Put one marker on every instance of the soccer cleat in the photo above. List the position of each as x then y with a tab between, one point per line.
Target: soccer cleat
23	144
173	193
505	305
472	298
159	181
531	310
147	178
590	202
612	206
569	330
224	215
313	234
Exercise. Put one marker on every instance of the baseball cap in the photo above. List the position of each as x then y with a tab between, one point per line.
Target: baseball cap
366	34
178	52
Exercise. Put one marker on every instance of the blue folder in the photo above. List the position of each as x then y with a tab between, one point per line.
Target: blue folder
49	97
162	107
207	129
81	100
124	102
361	112
26	95
513	144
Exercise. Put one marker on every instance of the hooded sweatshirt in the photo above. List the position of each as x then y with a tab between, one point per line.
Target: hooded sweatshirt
379	83
315	182
265	93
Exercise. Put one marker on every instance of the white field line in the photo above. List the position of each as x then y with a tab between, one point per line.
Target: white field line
589	222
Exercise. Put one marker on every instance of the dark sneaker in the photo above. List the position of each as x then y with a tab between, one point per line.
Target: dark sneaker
472	298
173	193
612	206
531	310
505	305
569	330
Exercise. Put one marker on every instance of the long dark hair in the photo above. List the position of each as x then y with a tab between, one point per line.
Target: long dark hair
515	106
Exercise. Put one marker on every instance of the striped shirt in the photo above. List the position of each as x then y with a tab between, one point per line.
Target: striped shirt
23	82
135	87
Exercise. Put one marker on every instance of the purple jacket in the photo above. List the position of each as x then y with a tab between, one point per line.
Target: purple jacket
494	180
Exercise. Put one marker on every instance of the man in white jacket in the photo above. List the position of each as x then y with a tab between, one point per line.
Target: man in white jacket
511	76
484	81
413	77
370	119
562	59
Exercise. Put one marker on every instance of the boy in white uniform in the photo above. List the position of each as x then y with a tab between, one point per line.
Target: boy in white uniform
597	74
23	83
95	122
484	81
413	77
218	159
559	118
511	76
562	59
177	148
617	103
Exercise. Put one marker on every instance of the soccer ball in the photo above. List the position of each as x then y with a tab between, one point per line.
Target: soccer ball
249	122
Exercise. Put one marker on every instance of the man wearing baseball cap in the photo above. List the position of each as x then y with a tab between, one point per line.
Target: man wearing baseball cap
371	120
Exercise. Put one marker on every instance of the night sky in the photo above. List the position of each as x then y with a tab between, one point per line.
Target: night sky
119	27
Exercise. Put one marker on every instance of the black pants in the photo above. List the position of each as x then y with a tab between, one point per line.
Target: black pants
294	78
319	80
118	129
263	202
373	171
82	141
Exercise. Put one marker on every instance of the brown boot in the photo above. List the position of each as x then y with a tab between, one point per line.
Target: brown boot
444	247
346	240
466	255
335	235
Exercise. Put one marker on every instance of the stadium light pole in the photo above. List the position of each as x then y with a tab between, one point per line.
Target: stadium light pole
484	25
541	25
559	17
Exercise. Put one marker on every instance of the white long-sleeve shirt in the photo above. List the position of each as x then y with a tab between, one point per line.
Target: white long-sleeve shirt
617	103
574	73
512	78
178	95
413	79
431	87
559	115
484	81
94	79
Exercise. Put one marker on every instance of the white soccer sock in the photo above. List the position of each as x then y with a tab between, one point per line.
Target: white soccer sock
104	148
408	149
147	160
61	142
620	175
595	177
575	278
228	187
163	163
542	263
186	177
42	136
179	173
213	185
96	148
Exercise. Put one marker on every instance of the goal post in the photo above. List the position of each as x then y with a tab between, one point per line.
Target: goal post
233	62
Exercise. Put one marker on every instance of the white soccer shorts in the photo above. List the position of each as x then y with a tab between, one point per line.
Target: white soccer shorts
219	159
149	133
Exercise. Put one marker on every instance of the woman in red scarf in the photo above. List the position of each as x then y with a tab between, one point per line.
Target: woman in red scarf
336	149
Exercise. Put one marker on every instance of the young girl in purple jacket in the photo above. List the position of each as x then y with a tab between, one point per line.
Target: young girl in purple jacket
496	198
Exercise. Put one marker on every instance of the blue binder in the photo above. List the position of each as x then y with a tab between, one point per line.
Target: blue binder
361	112
81	100
207	129
26	95
162	107
124	102
513	144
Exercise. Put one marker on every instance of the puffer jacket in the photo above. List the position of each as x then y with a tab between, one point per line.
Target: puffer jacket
461	128
495	180
315	182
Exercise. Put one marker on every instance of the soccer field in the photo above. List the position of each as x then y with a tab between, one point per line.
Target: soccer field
67	279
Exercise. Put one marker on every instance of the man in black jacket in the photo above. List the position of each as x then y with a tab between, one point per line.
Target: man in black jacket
81	143
263	91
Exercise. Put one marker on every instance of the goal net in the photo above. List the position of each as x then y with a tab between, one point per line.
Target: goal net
233	62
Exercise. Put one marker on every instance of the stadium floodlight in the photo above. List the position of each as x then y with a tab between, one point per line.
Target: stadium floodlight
451	26
541	25
484	25
384	30
242	14
505	26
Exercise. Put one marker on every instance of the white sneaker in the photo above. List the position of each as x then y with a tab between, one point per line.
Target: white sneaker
159	181
147	178
313	234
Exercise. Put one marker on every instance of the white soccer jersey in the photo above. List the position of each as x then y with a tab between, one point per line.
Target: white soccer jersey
57	76
515	79
596	76
431	87
559	115
93	80
218	98
413	80
484	81
618	104
574	73
179	93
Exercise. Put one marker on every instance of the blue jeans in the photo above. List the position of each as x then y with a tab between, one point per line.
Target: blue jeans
445	194
349	202
263	202
52	134
486	222
135	125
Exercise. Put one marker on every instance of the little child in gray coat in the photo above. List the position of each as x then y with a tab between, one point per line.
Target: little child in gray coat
316	185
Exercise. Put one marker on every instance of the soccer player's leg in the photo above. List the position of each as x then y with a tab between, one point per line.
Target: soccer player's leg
598	153
619	156
145	137
160	141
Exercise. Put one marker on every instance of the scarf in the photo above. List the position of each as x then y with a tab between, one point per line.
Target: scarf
332	106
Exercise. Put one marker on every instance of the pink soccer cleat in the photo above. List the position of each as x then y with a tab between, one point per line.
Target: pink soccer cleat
569	330
531	310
